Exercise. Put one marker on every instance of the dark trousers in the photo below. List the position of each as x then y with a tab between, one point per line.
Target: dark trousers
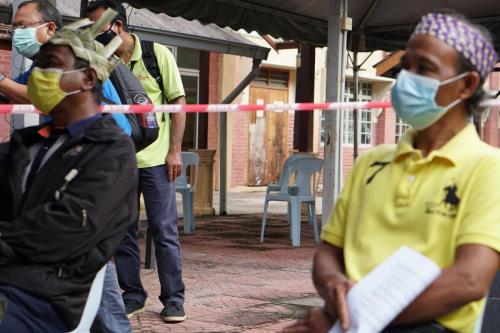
161	211
425	328
21	312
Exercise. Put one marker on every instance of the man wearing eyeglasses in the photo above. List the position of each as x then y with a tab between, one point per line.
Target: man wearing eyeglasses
34	24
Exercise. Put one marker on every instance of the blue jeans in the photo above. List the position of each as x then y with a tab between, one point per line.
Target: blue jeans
111	317
25	313
161	211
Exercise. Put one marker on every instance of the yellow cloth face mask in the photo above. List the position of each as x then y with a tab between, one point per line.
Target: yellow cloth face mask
44	89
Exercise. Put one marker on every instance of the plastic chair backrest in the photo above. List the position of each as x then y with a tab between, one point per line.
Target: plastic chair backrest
188	159
306	168
285	173
92	304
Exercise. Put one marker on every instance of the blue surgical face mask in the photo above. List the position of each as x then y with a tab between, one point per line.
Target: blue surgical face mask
25	41
414	99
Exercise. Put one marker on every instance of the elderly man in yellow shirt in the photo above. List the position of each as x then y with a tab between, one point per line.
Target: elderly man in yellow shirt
437	191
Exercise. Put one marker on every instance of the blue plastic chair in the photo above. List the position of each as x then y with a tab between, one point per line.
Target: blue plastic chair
183	186
275	187
301	191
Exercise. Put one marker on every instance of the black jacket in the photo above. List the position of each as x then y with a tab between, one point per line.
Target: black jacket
55	238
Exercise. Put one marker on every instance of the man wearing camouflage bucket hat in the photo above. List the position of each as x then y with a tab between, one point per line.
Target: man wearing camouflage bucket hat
69	188
436	191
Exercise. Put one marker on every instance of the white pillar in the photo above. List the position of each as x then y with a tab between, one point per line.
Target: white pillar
335	83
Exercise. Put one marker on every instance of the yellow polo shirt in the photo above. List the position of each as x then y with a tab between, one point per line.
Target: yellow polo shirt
156	153
395	196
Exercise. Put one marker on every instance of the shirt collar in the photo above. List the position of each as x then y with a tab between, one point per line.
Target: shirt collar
137	53
73	129
453	151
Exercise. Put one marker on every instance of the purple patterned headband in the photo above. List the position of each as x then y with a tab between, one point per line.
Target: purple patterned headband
466	39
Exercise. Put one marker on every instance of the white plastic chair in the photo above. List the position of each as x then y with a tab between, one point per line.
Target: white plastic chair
92	304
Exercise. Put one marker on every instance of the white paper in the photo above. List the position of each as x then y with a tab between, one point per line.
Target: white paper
375	301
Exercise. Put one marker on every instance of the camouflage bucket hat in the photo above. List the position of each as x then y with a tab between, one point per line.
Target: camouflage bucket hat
84	46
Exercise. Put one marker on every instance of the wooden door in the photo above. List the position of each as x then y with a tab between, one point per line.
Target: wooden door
268	142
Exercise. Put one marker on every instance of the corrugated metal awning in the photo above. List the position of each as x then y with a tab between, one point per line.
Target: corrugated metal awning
175	31
383	24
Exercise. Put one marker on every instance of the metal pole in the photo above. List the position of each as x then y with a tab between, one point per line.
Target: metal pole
355	112
223	164
335	82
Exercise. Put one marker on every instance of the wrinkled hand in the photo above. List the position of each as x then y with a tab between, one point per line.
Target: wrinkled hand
316	321
174	165
336	301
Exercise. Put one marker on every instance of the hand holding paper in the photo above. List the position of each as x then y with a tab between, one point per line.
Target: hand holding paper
375	301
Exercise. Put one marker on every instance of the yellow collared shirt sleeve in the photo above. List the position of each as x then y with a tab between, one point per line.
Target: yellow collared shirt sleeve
334	230
481	218
172	82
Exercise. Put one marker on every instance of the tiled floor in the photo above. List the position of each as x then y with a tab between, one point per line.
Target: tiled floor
233	282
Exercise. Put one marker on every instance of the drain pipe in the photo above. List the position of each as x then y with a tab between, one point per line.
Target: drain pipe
223	134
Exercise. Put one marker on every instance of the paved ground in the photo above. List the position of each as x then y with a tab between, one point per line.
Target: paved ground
249	200
233	282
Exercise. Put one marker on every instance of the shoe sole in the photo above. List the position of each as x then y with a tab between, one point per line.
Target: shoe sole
131	314
173	319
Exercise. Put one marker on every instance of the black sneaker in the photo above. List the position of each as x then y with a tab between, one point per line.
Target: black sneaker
173	313
133	307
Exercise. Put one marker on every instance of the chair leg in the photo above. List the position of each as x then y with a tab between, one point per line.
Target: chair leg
186	213
314	223
289	214
264	218
191	208
309	213
295	223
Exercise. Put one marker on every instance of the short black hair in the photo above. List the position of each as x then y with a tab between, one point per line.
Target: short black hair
97	89
113	4
47	10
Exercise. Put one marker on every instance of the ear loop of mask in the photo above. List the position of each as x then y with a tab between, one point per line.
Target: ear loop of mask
450	80
42	25
110	28
70	72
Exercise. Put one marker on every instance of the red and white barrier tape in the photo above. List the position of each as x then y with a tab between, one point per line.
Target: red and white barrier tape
216	108
201	108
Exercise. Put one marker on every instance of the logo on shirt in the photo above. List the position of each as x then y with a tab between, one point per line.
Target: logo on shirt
141	99
448	206
381	165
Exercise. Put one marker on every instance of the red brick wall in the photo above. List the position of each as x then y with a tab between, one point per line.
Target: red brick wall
490	132
213	97
239	149
5	68
490	129
385	127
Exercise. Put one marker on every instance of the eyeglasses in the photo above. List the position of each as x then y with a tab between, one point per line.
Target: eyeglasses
15	27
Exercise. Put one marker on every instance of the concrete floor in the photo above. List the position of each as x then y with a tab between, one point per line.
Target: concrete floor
249	201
